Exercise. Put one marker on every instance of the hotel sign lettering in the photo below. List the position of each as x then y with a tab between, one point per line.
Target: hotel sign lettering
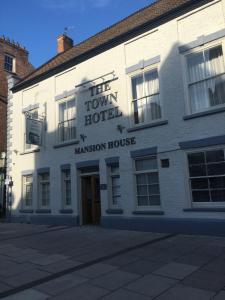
108	145
98	107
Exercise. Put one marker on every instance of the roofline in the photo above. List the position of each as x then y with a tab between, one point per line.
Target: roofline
184	8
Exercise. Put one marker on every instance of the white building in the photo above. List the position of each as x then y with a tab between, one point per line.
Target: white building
133	126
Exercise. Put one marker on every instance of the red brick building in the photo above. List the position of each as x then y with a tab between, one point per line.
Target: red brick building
13	60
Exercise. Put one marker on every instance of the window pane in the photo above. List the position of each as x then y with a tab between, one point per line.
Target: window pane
151	82
197	170
71	109
214	156
154	200
199	184
146	164
216	90
214	61
153	189
217	182
137	87
195	63
216	169
196	158
141	179
142	201
153	178
218	195
199	97
62	112
142	190
201	196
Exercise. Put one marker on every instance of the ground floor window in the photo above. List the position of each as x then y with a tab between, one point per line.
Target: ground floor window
44	189
66	188
27	190
115	186
207	176
147	182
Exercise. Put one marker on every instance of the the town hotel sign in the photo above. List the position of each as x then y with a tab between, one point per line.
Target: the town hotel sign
98	107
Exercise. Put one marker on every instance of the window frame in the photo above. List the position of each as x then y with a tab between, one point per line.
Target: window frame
13	63
209	204
63	189
199	49
40	182
135	172
24	184
112	175
58	103
131	100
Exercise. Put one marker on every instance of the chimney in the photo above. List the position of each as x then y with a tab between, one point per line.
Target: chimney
64	43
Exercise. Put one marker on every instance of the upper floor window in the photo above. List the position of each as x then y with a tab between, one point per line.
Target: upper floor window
206	79
67	120
9	63
146	105
147	182
207	176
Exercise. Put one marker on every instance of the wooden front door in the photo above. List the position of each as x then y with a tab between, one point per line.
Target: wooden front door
91	202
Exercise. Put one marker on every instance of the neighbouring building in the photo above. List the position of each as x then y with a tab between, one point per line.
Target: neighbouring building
13	62
127	128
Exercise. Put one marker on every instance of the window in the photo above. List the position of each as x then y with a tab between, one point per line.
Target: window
67	120
115	186
207	176
146	105
206	79
27	190
66	188
147	182
44	189
9	64
34	115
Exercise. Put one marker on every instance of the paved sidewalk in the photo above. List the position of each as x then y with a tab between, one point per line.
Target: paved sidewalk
44	262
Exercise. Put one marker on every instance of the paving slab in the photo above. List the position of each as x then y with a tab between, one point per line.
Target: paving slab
95	270
114	280
82	292
123	294
219	296
151	285
176	270
142	267
61	284
28	295
185	293
207	280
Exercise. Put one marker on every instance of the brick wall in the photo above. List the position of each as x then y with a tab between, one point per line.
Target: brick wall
22	68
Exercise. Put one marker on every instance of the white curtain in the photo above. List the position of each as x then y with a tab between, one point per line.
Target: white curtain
152	93
202	69
139	104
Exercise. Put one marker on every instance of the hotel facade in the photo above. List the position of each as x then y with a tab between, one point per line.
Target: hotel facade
132	126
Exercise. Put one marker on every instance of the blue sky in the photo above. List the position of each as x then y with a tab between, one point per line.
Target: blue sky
37	23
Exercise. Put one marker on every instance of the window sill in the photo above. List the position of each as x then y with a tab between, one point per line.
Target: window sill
204	113
43	211
148	212
204	209
26	211
30	151
150	125
115	211
66	211
74	142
